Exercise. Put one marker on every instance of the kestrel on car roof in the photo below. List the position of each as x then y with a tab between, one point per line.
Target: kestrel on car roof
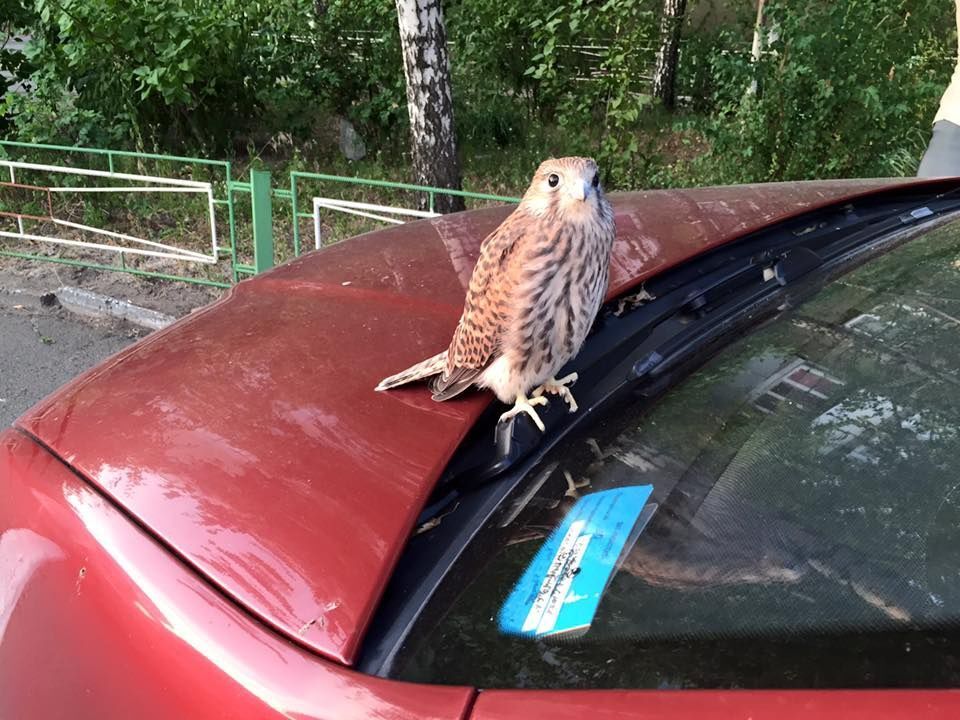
534	293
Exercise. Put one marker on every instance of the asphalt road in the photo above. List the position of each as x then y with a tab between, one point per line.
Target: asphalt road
41	348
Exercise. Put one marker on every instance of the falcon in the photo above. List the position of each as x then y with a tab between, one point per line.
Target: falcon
534	293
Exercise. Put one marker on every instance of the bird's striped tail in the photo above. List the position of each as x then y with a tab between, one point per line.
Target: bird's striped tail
429	367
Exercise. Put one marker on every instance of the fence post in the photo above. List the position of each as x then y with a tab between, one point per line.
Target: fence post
262	201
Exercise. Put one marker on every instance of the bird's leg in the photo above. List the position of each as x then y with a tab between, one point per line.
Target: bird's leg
559	387
524	405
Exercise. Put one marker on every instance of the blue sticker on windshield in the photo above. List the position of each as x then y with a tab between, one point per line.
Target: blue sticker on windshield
561	589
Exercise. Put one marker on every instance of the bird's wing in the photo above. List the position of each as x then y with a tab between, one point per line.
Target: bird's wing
485	311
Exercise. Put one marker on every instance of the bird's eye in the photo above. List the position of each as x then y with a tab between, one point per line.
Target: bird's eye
553	180
596	180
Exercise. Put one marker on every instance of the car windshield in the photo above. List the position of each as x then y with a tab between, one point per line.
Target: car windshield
786	516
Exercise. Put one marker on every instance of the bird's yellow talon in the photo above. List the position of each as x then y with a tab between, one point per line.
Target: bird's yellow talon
524	405
559	387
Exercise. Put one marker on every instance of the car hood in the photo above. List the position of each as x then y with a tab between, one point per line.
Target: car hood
248	439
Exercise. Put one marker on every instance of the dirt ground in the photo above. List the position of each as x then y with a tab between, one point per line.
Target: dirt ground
166	296
43	346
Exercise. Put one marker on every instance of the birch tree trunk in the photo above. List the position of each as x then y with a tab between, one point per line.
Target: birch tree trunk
756	51
665	70
426	65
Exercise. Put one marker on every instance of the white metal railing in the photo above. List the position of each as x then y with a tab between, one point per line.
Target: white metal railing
367	210
140	246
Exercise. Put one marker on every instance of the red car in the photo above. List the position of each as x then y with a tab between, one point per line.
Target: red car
754	514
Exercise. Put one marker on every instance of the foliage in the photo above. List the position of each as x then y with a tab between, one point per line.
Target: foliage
492	46
364	62
14	17
165	70
49	115
845	89
189	73
609	94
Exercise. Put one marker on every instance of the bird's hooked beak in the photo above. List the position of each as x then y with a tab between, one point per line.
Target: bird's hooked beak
580	191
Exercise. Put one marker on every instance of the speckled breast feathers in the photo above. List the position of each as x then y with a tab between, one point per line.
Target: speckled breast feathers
535	291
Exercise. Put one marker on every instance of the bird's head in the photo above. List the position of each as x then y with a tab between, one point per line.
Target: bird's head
568	187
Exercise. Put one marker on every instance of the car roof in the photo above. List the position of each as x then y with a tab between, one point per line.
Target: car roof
248	439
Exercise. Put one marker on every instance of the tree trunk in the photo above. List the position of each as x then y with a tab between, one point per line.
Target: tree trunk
665	70
426	65
756	51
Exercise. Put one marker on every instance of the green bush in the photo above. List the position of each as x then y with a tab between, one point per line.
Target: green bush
167	72
365	67
49	115
605	109
492	46
846	89
170	74
14	66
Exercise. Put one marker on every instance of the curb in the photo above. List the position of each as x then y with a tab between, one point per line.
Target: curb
94	304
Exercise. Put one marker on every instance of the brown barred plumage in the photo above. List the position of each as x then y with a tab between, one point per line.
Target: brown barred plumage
534	293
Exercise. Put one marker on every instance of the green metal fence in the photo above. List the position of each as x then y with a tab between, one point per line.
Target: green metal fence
240	212
36	165
299	179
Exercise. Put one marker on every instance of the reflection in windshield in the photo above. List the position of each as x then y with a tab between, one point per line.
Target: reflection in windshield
807	507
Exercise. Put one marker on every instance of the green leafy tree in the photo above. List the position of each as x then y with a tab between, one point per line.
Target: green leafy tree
186	73
608	93
15	17
365	80
845	89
